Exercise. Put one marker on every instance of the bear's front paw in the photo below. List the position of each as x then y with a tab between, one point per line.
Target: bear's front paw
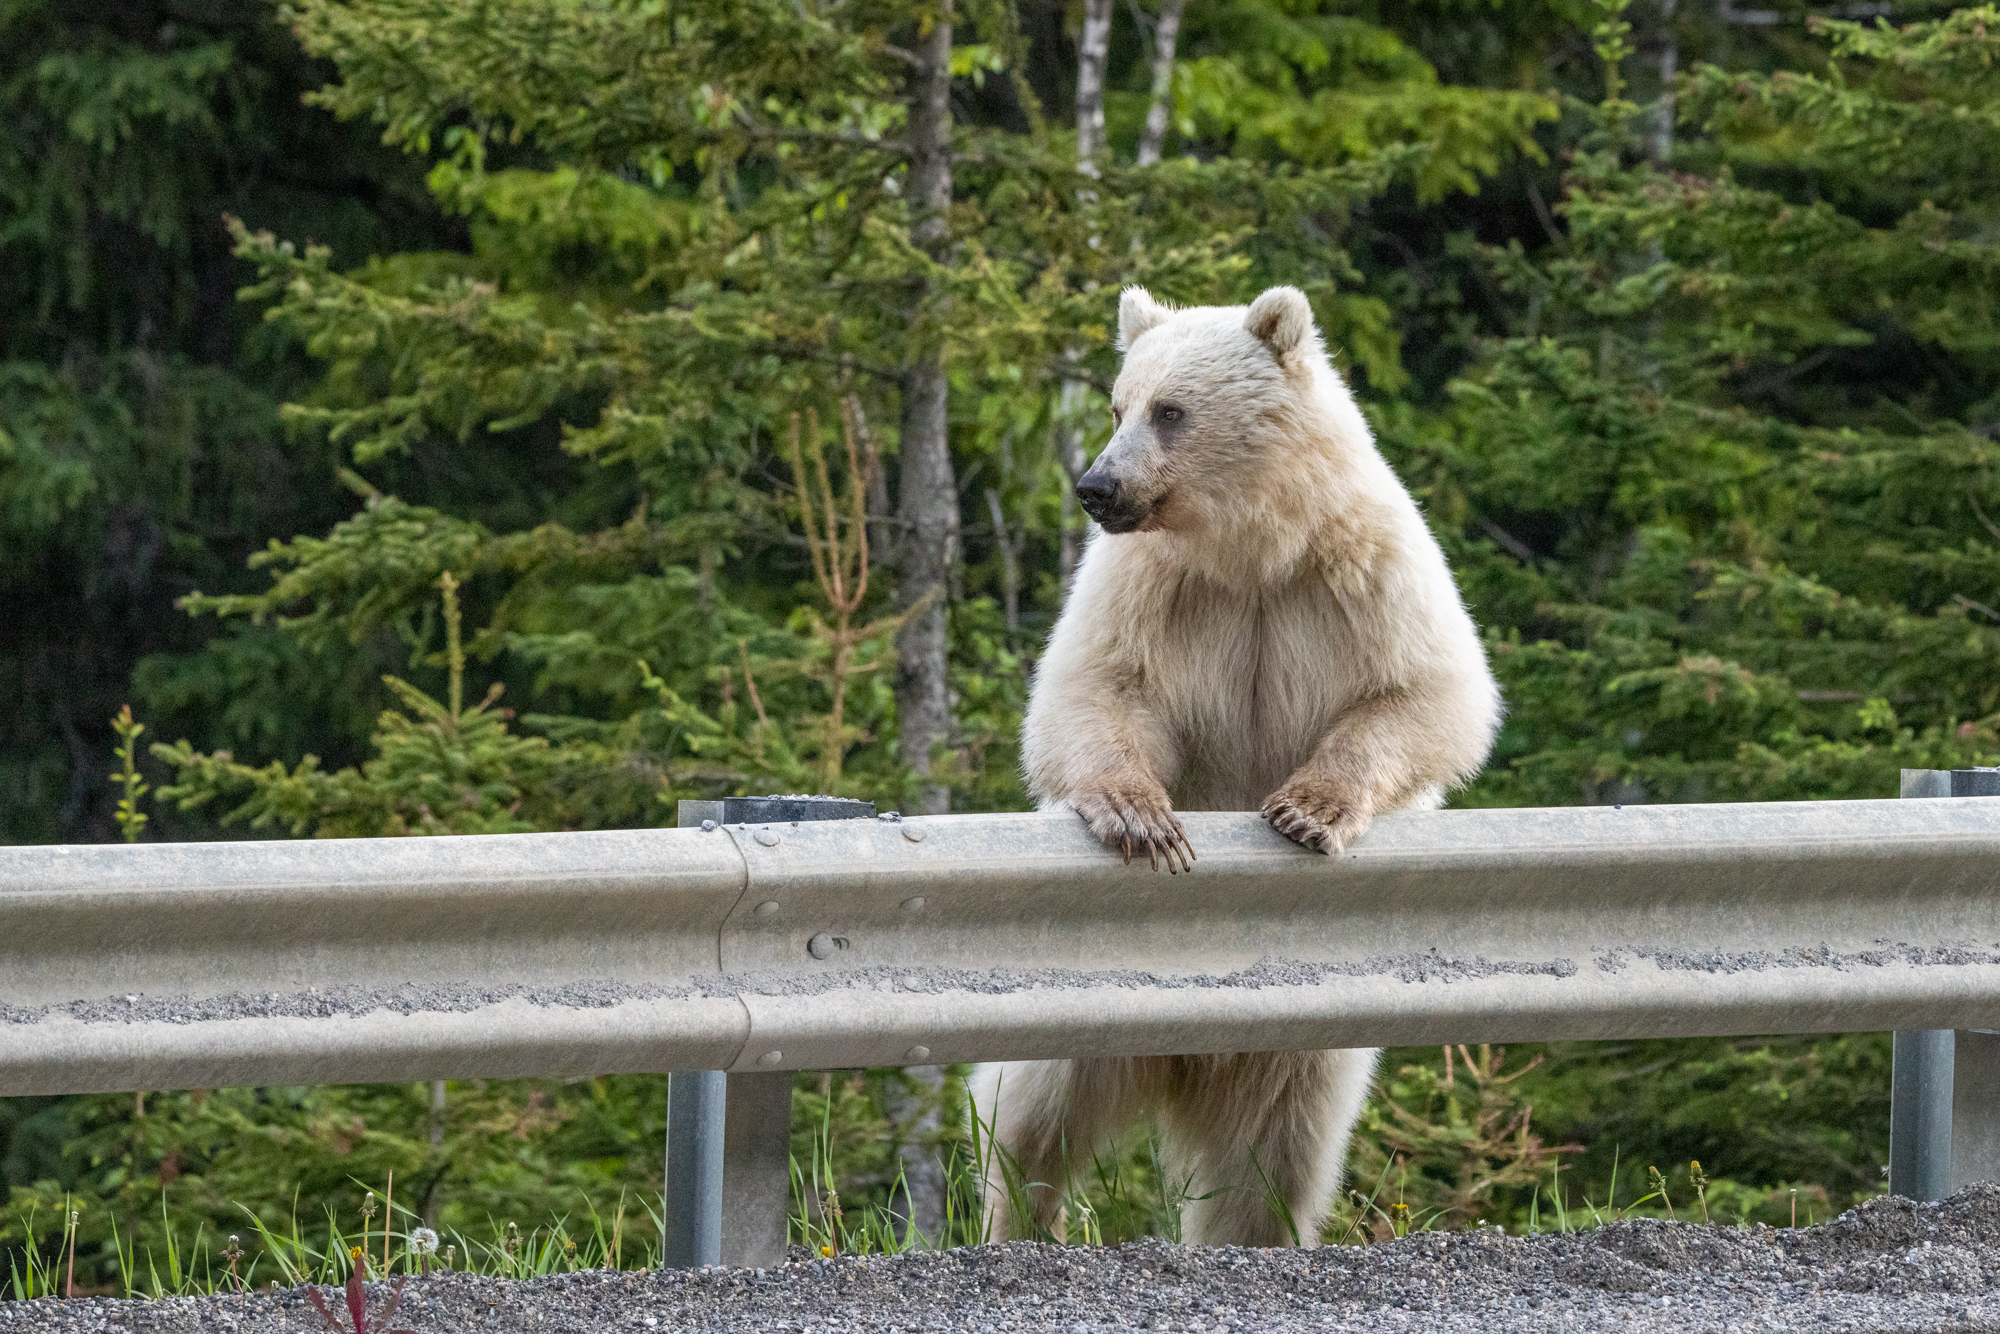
1131	820
1313	815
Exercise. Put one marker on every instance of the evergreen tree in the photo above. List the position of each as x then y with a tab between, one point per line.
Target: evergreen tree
140	453
762	211
1723	493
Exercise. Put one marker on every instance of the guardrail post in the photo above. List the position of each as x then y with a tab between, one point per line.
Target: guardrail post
757	1169
1944	1120
695	1103
1975	1108
1920	1087
729	1137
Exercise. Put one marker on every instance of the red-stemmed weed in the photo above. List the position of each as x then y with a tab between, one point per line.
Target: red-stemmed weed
357	1302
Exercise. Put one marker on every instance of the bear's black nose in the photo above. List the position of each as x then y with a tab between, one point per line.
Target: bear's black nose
1097	493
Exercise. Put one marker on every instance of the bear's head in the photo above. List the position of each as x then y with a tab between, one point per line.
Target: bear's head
1205	406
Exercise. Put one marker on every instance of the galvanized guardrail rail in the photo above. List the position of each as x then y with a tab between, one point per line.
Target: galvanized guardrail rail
780	946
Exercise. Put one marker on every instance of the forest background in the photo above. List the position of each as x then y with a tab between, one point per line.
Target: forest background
705	381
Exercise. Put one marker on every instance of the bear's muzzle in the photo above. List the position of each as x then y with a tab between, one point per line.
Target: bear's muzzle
1105	499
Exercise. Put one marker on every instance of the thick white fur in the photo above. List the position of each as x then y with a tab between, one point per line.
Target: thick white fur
1280	633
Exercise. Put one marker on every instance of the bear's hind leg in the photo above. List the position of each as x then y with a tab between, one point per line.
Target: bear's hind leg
1040	1122
1259	1129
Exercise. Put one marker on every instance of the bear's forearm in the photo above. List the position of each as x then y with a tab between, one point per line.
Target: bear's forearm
1392	751
1074	749
1090	745
1399	745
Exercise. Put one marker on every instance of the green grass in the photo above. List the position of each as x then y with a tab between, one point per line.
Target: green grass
1435	1159
1105	1205
189	1262
31	1273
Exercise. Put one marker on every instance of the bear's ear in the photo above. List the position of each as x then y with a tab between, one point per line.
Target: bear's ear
1138	312
1281	320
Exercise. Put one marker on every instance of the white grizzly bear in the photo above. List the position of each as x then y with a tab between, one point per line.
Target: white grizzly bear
1265	623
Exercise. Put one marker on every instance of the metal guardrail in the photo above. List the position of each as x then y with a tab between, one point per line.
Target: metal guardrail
887	942
875	942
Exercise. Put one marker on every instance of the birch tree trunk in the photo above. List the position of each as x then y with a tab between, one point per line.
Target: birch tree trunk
1165	35
1091	55
927	500
1667	54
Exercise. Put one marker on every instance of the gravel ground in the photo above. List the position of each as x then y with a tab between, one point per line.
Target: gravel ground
1889	1265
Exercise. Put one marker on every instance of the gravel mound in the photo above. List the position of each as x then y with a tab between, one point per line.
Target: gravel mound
1889	1265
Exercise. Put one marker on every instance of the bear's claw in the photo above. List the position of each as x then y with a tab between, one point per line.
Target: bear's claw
1315	819
1138	822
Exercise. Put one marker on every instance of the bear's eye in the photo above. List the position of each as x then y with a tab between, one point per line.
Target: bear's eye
1169	414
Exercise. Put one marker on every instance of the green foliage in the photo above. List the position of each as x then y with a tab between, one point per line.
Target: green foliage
1312	85
296	1165
1727	545
1569	1135
131	820
1764	1114
1453	1147
438	769
139	449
